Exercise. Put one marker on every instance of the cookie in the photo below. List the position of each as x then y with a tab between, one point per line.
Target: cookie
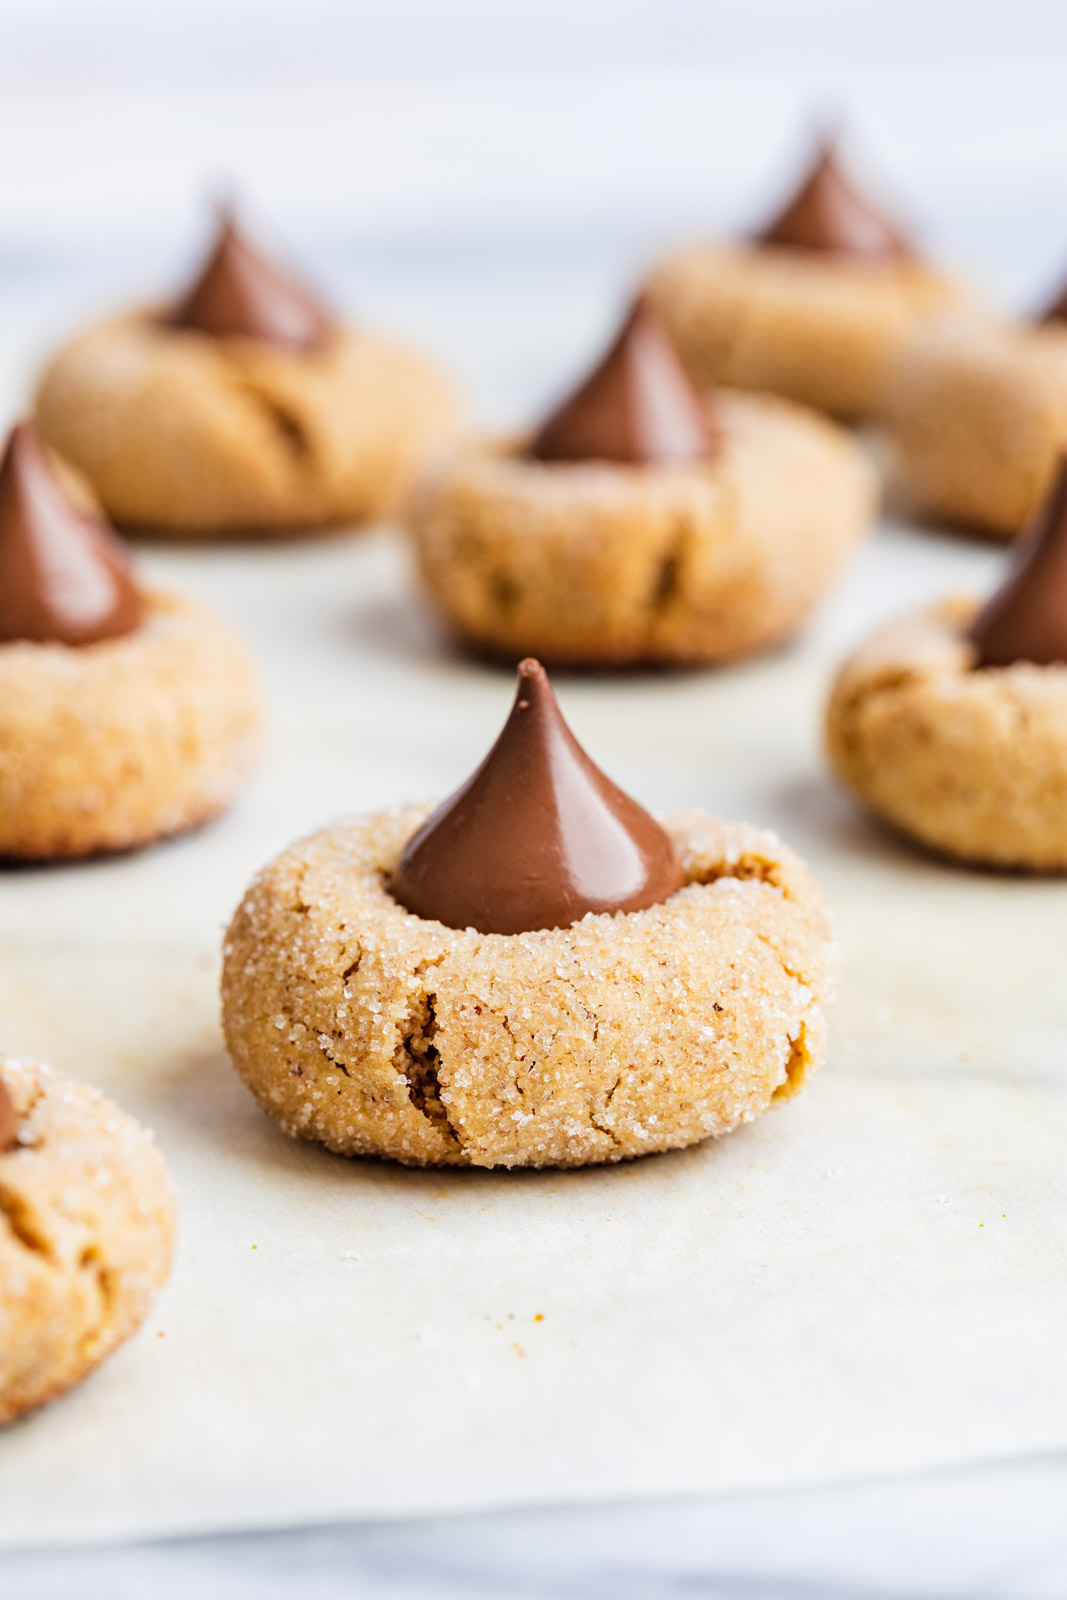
610	564
972	764
651	986
952	726
976	415
125	715
816	308
86	1231
245	409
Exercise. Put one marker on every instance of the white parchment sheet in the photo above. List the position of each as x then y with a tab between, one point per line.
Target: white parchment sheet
871	1279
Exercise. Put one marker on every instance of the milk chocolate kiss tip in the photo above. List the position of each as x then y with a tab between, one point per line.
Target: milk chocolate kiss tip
64	576
240	294
1057	311
537	837
1026	618
828	214
638	405
9	1128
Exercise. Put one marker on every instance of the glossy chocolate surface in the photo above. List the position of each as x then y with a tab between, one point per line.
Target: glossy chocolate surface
639	405
828	214
1026	618
9	1129
64	576
1057	311
240	294
537	837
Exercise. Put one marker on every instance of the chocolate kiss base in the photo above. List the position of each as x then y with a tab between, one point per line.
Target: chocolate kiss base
1026	619
538	837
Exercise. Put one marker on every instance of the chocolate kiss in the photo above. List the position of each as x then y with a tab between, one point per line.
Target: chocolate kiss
1026	619
64	577
1057	311
9	1128
829	214
639	405
537	837
239	294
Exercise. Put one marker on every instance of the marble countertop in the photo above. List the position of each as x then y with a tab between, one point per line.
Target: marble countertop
994	1532
512	269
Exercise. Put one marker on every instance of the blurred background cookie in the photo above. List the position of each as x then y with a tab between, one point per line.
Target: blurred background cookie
86	1231
952	725
126	714
243	407
645	521
814	307
976	413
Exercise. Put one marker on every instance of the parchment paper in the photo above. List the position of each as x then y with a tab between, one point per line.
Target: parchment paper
869	1280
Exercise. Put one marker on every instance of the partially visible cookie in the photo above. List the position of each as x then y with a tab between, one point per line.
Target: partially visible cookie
814	308
536	974
86	1231
815	329
243	409
118	744
976	414
604	563
952	725
125	716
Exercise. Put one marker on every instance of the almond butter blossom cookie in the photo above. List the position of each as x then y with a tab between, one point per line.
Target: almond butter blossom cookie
86	1231
952	725
815	307
241	408
644	521
125	715
537	973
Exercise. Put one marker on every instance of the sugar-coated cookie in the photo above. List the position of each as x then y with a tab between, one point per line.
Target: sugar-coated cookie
708	536
972	764
952	725
243	409
86	1231
125	715
537	974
